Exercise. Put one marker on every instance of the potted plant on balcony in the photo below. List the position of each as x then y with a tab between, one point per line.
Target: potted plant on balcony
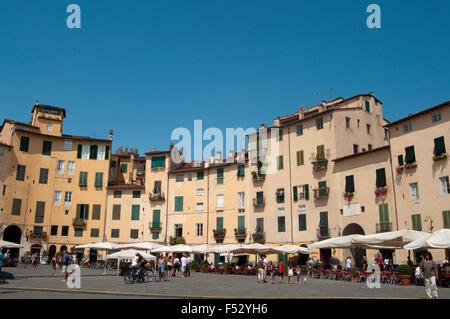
405	274
440	157
381	191
410	165
348	196
399	169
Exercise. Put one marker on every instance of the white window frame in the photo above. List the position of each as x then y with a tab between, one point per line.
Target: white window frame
200	192
199	207
57	198
444	182
179	178
407	128
414	191
199	230
219	200
60	168
85	151
68	199
241	199
436	117
71	168
49	127
101	151
68	145
301	192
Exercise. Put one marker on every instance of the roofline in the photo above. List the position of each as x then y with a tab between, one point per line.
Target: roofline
50	107
409	117
361	153
157	153
123	186
6	145
64	136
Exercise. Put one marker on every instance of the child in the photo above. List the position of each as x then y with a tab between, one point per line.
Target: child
298	273
290	273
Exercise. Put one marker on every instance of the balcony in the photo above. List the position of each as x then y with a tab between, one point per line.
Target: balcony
156	197
155	226
158	169
258	202
384	227
323	232
258	177
320	164
219	233
240	233
410	165
439	157
259	237
79	222
381	191
322	192
37	237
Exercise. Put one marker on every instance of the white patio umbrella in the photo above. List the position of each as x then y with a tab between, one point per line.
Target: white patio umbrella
100	246
395	239
181	248
291	249
162	249
337	242
254	248
143	245
203	249
438	239
219	249
8	244
128	254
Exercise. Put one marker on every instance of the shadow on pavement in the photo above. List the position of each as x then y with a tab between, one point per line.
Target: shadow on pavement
4	276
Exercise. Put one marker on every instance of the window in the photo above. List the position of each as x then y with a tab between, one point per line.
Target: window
407	128
299	130
39	214
199	229
241	210
259	225
93	152
136	194
117	194
49	127
85	151
24	143
381	177
445	186
179	178
280	162
220	176
241	199
320	152
60	167
416	222
355	148
280	195
178	203
300	158
83	179
280	134
71	168
189	177
385	224
369	147
219	223
323	224
439	146
57	198
410	156
200	176
123	168
319	123
67	145
66	212
219	201
322	188
47	148
178	230
414	191
113	164
347	122
156	223
96	212
199	207
115	233
436	117
301	192
349	184
158	161
135	209
78	232
200	192
65	231
446	217
368	128
101	151
95	232
281	224
37	230
16	206
20	176
157	186
43	176
54	230
116	212
82	211
302	222
99	179
367	106
400	160
357	121
260	198
134	233
241	171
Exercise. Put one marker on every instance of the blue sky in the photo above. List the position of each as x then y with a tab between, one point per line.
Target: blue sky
143	68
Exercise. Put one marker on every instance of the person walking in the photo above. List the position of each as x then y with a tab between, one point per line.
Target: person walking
266	267
348	263
290	273
429	272
260	270
298	273
183	265
188	266
34	260
53	263
2	257
66	260
161	269
176	266
281	271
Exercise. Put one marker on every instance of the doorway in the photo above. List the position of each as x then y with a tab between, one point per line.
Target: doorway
357	253
13	234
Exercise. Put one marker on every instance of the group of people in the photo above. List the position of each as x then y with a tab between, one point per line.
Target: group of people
32	260
267	268
62	260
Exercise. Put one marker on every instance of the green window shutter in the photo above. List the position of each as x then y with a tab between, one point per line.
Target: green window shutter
158	161
241	171
96	212
156	223
280	134
135	209
367	106
400	160
16	206
98	179
123	168
323	220
300	158
381	177
302	222
24	143
116	212
446	217
320	152
219	223
439	146
200	176
107	148
39	215
417	222
280	162
93	152
384	213
349	184
241	222
410	156
295	191
178	203
281	224
306	191
80	147
220	172
83	179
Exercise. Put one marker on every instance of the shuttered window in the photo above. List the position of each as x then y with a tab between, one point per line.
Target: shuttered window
96	212
260	197
200	176
300	158
20	176
439	146
319	123
383	210
280	162
136	194
83	179
134	233
16	206
446	218
417	222
320	152
259	225
410	156
280	195
24	143
367	106
98	179
39	215
93	152
158	161
323	223
157	187
306	190
115	233
241	222
295	193
95	232
241	171
82	211
322	188
219	223
178	203
445	185
381	177
156	223
349	184
135	209
79	150
220	176
299	130
47	148
400	160
107	148
116	212
43	176
302	222
281	224
123	168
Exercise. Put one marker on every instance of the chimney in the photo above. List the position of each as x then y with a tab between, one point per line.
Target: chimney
211	159
301	114
218	157
153	149
276	122
111	133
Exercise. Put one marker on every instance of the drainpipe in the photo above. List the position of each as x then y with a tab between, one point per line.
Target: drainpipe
393	181
290	183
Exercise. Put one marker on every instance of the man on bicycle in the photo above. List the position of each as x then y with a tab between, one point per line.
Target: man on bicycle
138	263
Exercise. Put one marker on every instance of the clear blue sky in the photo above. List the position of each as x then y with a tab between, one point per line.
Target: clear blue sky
144	68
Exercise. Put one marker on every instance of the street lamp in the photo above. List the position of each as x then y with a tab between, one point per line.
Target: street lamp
431	223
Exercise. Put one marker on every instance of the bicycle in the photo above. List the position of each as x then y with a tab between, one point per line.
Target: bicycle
143	276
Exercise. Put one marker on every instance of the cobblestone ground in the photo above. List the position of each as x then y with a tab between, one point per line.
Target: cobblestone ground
37	283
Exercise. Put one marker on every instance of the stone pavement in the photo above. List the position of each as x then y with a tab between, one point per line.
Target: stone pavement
36	283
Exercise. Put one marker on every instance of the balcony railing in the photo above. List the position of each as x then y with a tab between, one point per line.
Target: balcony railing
155	226
258	202
219	233
155	197
34	236
240	232
320	164
159	168
257	177
79	222
323	232
259	237
321	192
384	227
